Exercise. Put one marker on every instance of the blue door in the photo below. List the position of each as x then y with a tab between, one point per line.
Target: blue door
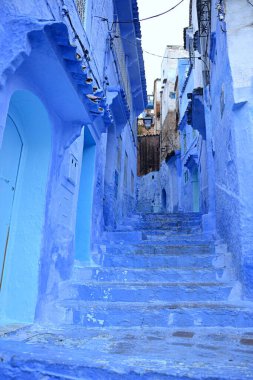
10	154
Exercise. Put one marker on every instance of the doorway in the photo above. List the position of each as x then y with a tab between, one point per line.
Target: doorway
195	189
25	155
85	199
10	156
164	200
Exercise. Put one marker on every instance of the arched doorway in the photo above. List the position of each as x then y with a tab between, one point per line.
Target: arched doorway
10	156
24	162
85	199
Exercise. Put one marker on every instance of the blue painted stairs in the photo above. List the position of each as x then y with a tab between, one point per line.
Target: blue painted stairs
159	302
155	270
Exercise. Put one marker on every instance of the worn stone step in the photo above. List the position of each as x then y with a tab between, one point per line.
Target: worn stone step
167	216
155	314
172	235
138	235
153	260
116	353
168	246
146	292
181	274
166	225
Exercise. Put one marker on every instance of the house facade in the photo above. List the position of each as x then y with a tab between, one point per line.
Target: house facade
221	111
71	86
212	171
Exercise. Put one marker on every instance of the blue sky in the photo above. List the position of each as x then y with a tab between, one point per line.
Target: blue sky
161	31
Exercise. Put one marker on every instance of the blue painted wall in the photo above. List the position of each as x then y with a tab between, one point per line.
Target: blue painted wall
231	125
53	109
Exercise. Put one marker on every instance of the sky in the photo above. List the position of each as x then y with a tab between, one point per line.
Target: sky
161	31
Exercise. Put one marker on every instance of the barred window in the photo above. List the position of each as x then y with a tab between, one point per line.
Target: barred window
81	7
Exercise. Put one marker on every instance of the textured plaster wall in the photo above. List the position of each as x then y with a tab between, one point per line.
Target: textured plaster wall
151	186
120	175
22	64
31	61
231	121
149	193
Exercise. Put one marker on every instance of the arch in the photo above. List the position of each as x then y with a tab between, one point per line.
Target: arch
85	199
164	200
19	290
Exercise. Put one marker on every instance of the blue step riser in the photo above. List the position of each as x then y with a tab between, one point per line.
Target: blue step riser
161	318
162	223
122	275
151	223
146	294
155	249
157	237
136	261
133	238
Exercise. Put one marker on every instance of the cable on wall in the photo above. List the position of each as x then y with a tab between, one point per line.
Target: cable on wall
144	19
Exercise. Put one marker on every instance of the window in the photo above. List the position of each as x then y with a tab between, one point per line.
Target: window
172	95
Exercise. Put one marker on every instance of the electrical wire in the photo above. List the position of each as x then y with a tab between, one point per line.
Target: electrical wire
143	19
250	3
148	52
77	37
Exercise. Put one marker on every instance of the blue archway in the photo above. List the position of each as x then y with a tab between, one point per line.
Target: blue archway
26	212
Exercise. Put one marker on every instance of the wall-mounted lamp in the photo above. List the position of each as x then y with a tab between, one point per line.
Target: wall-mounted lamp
148	122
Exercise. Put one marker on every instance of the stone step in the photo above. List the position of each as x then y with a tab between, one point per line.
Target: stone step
119	274
155	314
157	248
167	216
76	352
145	292
153	260
139	235
172	235
159	225
180	231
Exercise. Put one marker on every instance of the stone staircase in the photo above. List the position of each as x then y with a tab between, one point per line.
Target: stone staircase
159	302
154	270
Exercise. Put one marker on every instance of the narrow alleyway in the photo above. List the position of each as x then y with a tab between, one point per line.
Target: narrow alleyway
156	304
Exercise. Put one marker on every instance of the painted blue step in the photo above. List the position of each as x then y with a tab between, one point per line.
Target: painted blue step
155	314
102	274
133	237
75	352
147	292
162	247
167	216
154	260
